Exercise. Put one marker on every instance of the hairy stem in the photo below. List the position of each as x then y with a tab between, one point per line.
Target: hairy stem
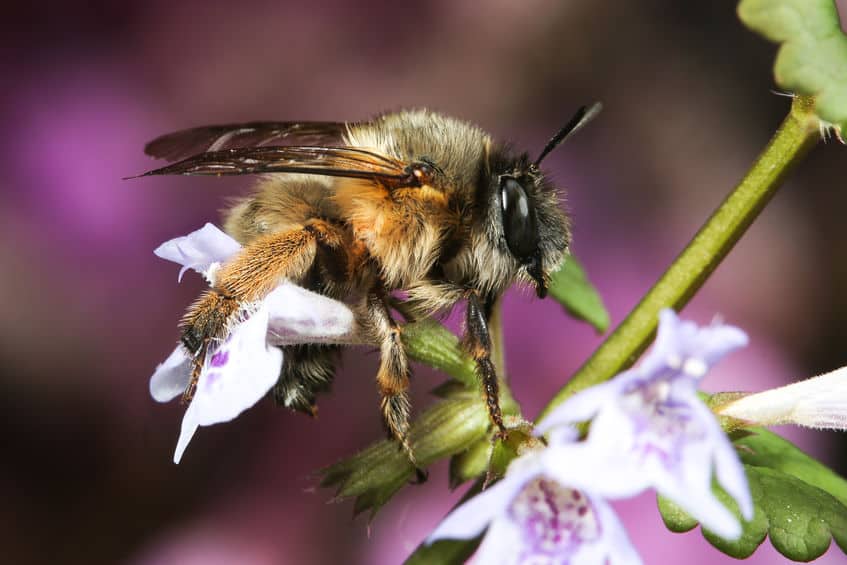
796	135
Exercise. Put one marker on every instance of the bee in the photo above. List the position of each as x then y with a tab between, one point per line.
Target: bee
412	201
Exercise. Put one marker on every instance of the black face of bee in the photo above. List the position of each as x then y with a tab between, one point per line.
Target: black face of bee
531	224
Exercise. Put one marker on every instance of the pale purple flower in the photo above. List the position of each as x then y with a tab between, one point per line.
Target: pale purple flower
650	429
533	519
242	369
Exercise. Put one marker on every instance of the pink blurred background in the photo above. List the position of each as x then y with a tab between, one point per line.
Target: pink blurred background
87	311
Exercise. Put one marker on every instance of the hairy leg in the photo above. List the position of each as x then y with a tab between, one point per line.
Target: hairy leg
248	277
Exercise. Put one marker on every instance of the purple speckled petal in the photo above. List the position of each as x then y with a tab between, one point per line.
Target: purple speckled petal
532	518
199	250
171	377
235	377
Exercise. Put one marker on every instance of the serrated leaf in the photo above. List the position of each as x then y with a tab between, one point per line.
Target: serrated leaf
812	58
800	516
762	448
675	518
374	475
571	288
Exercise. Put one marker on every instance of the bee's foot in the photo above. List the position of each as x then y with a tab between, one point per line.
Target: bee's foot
421	476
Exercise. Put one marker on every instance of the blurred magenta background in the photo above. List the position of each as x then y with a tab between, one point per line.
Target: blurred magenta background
87	311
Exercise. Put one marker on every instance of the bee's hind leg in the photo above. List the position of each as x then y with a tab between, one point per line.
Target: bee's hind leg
307	370
393	376
253	273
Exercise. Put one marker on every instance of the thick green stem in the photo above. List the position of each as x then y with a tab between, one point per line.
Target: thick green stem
797	134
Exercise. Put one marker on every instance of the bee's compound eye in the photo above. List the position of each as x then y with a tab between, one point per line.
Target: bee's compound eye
518	220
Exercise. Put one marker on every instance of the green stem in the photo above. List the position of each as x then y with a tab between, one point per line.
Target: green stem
796	135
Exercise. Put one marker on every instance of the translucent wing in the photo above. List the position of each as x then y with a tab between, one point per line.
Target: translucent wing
348	162
188	142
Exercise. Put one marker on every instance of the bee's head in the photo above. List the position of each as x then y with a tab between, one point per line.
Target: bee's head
528	219
525	211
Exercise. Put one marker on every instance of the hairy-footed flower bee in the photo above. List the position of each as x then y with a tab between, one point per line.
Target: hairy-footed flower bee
412	201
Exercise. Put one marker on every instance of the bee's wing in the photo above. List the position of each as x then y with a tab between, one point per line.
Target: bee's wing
348	162
188	142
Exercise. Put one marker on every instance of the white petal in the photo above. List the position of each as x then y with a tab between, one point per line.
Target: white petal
730	474
580	407
501	545
618	547
728	468
186	432
298	315
666	345
690	486
236	376
704	506
171	377
602	469
472	516
690	348
820	402
199	250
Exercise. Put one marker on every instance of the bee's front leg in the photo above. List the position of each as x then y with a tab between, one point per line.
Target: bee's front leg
478	344
250	276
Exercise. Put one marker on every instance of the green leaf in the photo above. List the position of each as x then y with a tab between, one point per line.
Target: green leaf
762	448
674	517
812	58
571	288
798	502
374	475
444	552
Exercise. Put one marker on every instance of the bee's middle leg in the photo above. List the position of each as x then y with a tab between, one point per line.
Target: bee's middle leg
393	376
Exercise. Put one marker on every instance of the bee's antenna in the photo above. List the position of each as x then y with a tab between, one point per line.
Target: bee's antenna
584	115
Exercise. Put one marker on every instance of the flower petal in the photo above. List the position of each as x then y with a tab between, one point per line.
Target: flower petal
608	470
728	468
692	349
501	545
819	402
470	518
235	376
199	250
580	407
298	315
171	377
615	538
